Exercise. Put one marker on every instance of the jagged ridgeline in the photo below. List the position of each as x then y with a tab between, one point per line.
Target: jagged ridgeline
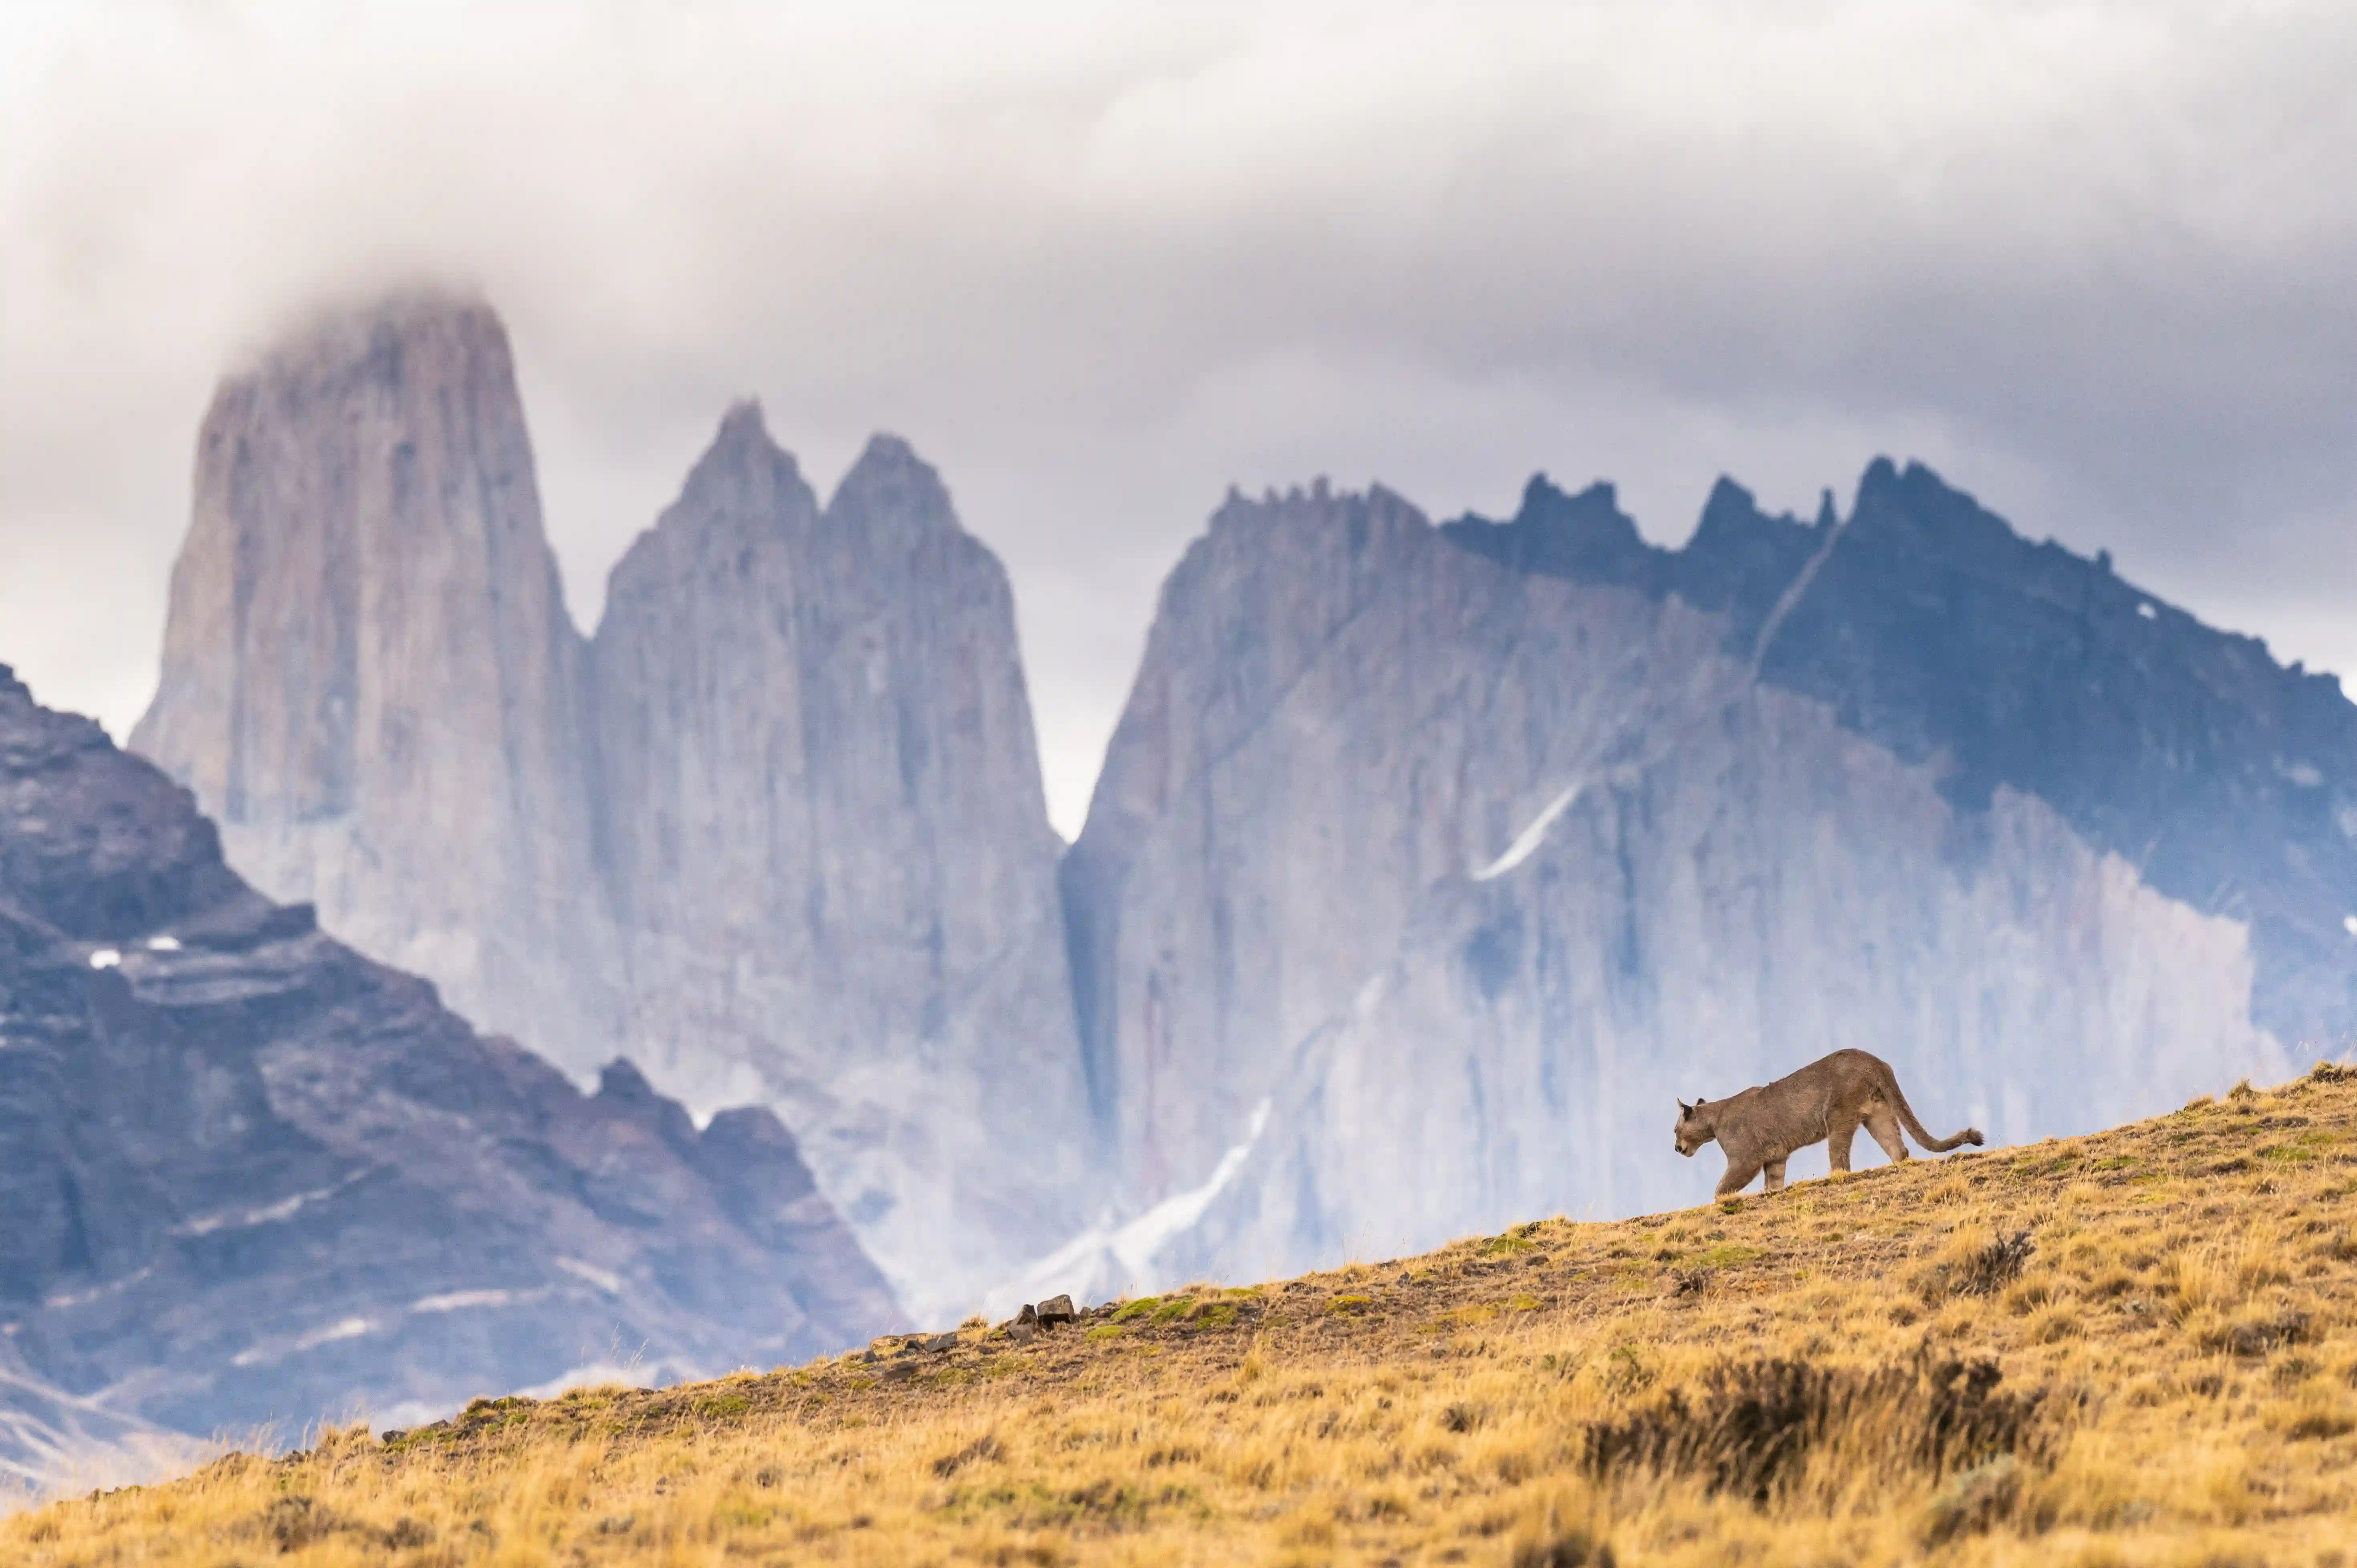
250	1176
1449	855
1428	864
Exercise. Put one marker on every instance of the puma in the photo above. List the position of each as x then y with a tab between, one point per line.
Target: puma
1821	1103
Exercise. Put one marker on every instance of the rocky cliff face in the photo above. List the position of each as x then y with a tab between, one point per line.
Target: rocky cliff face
252	1176
824	830
778	832
1938	632
1428	864
1427	867
369	677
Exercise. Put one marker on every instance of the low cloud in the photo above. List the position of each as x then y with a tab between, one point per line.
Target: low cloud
1098	262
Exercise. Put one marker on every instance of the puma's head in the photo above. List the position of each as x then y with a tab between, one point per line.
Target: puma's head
1694	1127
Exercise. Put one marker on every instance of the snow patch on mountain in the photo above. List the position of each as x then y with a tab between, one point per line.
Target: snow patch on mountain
1107	1259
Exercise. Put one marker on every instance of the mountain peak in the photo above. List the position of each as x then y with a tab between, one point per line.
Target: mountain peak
890	484
1916	509
743	426
814	757
1558	533
1880	477
621	1081
387	338
1917	490
1728	500
885	452
368	642
744	471
1735	537
889	459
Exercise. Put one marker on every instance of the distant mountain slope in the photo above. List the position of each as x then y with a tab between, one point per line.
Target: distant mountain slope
2229	781
250	1175
1444	859
778	832
1427	864
823	827
369	677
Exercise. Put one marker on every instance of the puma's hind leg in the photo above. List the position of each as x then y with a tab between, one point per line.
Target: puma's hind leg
1884	1125
1739	1176
1837	1142
1775	1176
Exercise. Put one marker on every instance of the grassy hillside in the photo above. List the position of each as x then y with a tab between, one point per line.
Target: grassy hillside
2132	1347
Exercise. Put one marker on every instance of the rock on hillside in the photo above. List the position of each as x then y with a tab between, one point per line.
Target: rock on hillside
370	680
822	828
251	1175
1448	859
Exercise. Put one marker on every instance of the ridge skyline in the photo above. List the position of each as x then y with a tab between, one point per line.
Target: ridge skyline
784	801
1069	786
2124	341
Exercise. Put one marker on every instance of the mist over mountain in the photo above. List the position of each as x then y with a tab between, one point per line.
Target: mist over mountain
368	678
1426	865
253	1178
777	831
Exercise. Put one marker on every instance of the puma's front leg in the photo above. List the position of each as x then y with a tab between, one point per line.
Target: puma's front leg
1739	1176
1775	1176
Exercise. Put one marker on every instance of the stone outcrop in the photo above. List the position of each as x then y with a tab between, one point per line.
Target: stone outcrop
1428	867
822	828
252	1176
369	677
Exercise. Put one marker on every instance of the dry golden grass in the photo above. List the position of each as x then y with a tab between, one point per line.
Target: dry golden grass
2170	1378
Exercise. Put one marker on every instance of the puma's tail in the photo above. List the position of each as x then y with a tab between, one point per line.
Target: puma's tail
1906	1116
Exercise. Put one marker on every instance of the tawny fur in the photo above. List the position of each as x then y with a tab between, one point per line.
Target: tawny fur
1824	1103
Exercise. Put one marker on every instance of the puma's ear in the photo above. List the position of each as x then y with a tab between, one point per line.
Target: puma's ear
1684	1110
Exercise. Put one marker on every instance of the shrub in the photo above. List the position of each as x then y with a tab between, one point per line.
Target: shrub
1753	1426
980	1450
1577	1549
2255	1335
1994	1266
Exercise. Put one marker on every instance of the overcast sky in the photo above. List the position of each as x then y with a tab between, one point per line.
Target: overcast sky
2092	262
